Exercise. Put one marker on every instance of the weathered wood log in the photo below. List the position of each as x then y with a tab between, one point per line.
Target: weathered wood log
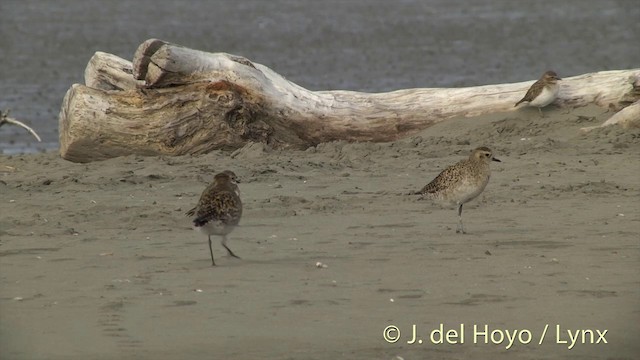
628	117
174	100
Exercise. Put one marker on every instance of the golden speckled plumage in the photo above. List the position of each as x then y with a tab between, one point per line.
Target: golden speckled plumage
219	209
461	182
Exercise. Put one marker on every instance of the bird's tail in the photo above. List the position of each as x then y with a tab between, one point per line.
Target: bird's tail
418	192
199	221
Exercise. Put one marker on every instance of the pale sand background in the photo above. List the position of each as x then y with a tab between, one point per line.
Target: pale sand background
106	265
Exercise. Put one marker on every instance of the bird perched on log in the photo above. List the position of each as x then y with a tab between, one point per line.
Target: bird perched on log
219	210
462	182
543	92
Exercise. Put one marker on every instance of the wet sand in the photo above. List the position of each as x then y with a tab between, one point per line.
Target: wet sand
98	260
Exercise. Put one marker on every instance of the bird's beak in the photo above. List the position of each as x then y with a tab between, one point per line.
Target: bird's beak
558	78
494	159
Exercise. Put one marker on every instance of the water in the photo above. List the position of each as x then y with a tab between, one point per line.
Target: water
364	45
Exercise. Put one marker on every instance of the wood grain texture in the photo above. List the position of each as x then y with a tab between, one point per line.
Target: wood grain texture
174	100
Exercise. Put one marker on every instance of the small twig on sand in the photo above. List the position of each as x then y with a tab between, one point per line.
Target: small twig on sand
5	119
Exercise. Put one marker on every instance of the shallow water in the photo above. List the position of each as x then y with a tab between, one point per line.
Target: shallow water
360	45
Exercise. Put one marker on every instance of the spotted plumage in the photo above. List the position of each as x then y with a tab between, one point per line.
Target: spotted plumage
543	92
462	182
219	210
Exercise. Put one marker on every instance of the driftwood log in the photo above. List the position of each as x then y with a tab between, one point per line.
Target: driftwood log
628	117
173	100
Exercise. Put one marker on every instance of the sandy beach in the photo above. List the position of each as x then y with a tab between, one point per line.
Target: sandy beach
98	261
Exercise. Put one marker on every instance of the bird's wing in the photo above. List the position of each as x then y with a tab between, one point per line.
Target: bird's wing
533	91
441	181
221	206
192	211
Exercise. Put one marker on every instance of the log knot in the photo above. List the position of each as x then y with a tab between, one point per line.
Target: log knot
258	131
245	112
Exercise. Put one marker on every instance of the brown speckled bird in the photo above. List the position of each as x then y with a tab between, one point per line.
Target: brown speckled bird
219	210
543	92
462	182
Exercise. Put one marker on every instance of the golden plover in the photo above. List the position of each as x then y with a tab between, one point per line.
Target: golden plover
543	92
219	210
460	183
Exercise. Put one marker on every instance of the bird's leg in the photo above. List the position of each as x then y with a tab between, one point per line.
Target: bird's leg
541	114
224	243
460	229
213	263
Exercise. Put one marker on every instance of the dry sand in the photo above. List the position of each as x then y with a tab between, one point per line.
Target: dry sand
98	260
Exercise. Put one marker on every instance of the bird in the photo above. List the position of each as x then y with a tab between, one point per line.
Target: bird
219	209
462	182
543	92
